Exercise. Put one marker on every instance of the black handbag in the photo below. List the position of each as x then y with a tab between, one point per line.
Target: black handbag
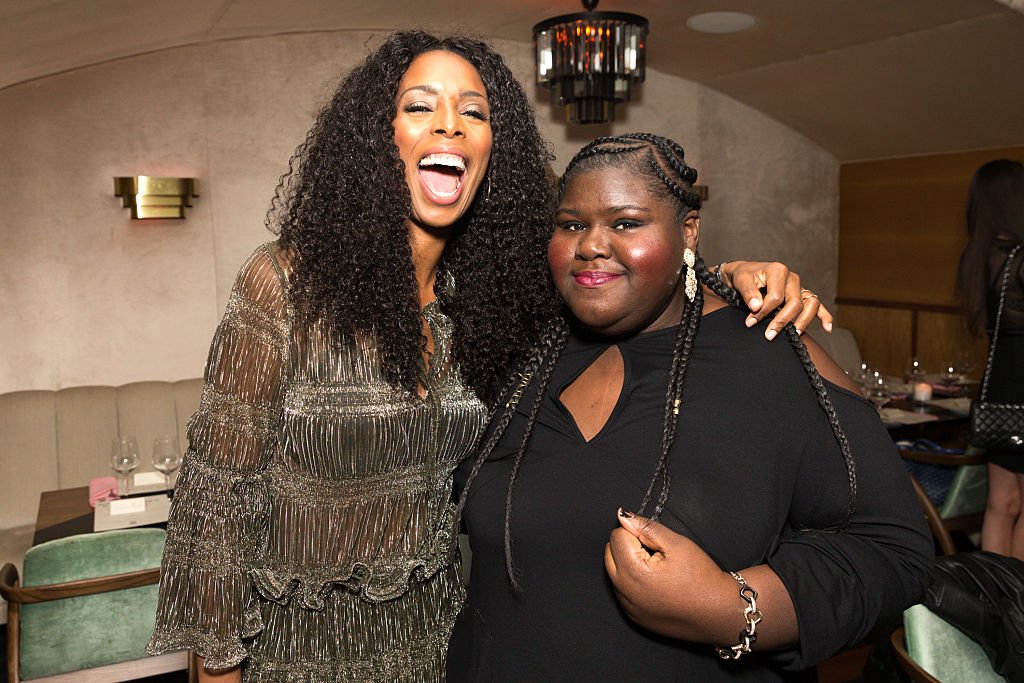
997	426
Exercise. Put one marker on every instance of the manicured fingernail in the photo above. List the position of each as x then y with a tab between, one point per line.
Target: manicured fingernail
755	303
827	326
799	331
626	513
770	334
751	321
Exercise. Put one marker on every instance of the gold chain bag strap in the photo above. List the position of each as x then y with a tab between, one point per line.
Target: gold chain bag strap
997	426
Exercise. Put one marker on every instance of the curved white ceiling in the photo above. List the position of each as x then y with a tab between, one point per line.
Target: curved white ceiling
864	79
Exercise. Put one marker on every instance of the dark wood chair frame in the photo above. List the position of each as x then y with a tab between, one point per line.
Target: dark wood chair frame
942	528
907	663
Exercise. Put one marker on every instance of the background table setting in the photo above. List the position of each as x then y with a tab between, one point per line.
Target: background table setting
922	404
129	499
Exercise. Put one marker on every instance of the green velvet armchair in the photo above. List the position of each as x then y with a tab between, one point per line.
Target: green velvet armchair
931	650
86	603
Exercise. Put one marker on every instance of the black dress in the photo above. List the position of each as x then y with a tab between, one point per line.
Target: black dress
1006	384
754	461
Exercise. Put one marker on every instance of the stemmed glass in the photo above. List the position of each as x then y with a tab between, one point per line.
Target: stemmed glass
965	366
950	377
878	394
915	373
166	457
864	377
124	457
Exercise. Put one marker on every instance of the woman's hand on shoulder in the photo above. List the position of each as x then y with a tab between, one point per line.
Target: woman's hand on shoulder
782	291
666	583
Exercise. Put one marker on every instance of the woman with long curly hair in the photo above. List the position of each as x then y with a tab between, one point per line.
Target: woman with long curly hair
800	537
995	227
310	533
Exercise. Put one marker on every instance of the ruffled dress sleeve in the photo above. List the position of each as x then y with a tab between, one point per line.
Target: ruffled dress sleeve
217	531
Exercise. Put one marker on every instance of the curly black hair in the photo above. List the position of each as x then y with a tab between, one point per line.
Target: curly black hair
341	211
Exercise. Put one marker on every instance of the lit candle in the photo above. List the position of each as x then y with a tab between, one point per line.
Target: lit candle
922	392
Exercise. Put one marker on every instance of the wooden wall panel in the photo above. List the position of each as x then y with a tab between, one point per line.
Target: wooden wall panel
888	337
883	335
901	225
901	231
943	338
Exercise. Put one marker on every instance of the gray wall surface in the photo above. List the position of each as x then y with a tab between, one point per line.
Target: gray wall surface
88	296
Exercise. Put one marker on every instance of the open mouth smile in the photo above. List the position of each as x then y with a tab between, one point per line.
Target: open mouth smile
441	175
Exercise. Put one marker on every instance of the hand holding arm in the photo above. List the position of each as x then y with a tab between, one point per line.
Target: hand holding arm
782	288
667	584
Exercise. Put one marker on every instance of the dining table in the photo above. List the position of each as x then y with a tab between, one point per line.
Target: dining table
66	512
937	421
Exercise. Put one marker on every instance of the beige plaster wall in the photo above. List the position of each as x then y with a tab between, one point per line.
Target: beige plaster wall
88	296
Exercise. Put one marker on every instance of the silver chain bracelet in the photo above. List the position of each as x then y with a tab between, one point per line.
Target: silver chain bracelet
752	617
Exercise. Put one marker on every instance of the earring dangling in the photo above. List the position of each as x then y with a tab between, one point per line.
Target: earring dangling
689	258
487	198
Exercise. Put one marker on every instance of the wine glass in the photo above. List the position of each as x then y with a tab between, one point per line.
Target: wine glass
879	392
874	379
915	373
124	457
965	366
166	457
863	377
950	377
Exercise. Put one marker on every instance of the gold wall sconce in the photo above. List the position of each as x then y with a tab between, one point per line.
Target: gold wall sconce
153	197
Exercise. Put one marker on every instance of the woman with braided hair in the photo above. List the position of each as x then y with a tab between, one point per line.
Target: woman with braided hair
776	507
353	369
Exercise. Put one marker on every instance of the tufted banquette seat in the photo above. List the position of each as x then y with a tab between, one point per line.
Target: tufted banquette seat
61	439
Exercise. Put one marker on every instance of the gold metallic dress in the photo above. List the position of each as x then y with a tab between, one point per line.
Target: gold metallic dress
308	537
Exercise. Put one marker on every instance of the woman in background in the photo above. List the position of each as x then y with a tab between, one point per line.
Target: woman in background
995	225
353	369
769	480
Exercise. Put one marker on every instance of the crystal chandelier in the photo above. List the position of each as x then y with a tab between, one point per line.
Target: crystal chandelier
590	60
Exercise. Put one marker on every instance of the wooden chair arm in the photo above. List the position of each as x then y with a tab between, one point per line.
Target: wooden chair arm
9	583
72	589
908	664
931	515
8	580
950	459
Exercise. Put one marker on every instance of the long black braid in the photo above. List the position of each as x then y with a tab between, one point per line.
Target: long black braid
730	295
662	162
543	359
